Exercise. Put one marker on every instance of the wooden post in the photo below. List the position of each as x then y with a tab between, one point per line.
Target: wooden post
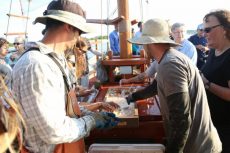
124	29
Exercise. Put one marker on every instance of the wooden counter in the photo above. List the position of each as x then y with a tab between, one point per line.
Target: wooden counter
150	128
113	63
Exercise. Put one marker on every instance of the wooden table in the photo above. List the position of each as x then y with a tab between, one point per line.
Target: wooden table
150	128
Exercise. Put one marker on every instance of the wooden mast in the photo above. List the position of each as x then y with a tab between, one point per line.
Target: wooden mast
124	28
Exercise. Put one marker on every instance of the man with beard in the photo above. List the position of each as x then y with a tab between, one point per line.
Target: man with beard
41	81
183	100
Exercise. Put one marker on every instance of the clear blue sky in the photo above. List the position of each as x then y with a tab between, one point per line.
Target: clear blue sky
188	12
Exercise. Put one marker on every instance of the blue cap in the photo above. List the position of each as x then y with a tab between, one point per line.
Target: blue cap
200	26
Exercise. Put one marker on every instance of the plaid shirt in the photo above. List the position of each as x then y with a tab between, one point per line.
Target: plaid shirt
40	90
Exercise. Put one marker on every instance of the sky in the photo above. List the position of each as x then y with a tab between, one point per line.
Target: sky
190	13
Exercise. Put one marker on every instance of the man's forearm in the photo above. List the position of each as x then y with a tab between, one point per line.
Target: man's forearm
138	78
147	92
179	122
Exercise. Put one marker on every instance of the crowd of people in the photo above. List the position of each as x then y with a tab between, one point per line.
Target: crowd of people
190	76
213	83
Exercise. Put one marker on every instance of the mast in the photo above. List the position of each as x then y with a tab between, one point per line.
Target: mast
124	28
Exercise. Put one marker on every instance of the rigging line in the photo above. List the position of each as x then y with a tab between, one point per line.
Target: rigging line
141	9
8	19
21	7
107	44
28	10
114	11
102	55
147	6
108	4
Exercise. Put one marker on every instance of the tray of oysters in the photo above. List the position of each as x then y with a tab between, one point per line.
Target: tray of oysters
118	95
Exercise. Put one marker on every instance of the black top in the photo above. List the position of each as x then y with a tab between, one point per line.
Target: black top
217	70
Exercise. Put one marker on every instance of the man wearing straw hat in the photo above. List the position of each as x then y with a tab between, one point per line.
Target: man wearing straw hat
40	88
184	106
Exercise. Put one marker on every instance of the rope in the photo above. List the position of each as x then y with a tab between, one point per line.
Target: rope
21	7
28	10
7	28
141	9
114	11
108	17
147	6
102	55
107	44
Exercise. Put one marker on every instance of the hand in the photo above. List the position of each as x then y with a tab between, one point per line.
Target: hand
105	120
84	92
129	99
205	48
13	56
205	81
109	106
124	81
200	47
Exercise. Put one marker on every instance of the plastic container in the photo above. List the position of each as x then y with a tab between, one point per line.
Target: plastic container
126	148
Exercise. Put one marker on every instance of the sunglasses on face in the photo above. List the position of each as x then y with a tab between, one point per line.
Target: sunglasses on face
209	29
17	44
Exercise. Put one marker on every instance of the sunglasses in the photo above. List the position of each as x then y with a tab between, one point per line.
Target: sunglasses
209	29
17	44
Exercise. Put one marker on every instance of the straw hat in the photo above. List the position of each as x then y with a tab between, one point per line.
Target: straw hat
62	11
154	31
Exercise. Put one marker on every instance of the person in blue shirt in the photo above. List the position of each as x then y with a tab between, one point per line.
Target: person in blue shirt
186	47
200	43
134	46
138	35
114	41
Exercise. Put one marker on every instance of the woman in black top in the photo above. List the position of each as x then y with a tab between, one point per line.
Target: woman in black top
216	72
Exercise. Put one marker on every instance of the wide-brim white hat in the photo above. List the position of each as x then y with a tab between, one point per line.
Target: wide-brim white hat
72	19
154	31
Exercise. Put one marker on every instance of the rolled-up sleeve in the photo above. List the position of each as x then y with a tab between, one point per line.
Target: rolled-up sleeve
40	90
